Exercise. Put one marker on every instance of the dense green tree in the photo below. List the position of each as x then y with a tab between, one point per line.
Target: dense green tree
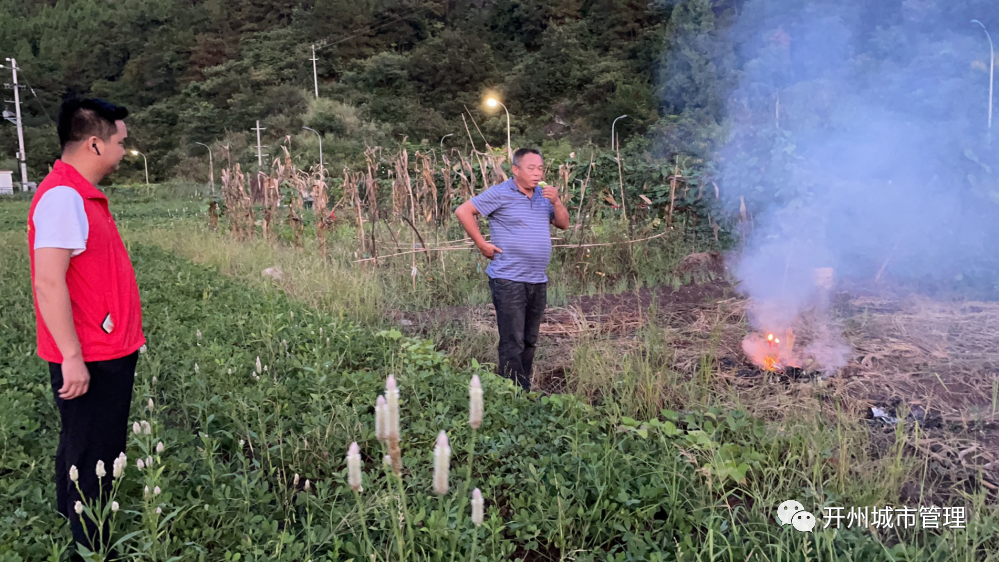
199	70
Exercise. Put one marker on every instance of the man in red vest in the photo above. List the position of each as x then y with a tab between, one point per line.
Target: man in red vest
87	309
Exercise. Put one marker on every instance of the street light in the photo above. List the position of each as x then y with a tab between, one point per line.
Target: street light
322	168
145	163
992	70
211	167
613	141
616	146
493	102
444	137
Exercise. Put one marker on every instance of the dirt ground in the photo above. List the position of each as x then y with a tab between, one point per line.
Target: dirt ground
913	359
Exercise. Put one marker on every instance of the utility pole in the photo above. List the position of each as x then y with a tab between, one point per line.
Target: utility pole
260	154
20	130
315	77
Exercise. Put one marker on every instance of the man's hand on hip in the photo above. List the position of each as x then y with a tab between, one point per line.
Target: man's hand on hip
75	378
489	251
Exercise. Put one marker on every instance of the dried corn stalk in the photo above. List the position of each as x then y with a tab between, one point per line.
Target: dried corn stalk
371	188
427	190
448	198
238	205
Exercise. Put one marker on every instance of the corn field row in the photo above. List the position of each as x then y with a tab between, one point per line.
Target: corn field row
410	195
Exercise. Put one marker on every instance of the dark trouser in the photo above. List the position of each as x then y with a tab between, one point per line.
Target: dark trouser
94	427
519	309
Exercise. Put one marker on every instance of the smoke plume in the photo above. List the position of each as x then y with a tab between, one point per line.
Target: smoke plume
858	142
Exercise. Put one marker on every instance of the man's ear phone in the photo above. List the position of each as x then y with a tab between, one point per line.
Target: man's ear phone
95	148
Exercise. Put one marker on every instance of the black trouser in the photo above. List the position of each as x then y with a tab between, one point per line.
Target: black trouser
519	309
94	427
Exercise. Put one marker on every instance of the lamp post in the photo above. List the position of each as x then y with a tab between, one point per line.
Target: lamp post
992	70
444	137
145	163
616	147
322	168
613	138
493	102
211	167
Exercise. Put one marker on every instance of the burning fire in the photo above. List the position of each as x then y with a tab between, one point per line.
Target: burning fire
765	348
766	351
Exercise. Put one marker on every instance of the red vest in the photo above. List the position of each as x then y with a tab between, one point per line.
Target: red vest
102	289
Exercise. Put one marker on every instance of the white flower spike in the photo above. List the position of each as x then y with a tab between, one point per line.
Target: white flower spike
475	407
354	467
392	400
442	462
381	419
478	507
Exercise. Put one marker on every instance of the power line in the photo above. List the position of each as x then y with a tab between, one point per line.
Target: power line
370	28
38	101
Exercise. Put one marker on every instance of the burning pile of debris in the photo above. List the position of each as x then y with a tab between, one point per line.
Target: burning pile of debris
768	353
771	352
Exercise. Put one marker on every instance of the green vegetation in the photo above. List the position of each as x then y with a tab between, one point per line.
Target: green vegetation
644	445
688	481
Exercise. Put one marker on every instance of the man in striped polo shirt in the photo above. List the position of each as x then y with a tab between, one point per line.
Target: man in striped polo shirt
520	249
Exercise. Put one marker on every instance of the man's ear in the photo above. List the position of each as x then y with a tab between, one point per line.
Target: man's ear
94	144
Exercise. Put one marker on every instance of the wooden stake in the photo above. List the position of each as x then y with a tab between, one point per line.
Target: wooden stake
672	192
620	175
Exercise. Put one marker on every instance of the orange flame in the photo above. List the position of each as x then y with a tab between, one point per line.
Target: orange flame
765	351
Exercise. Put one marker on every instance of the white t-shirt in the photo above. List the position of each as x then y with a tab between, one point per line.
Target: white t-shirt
61	221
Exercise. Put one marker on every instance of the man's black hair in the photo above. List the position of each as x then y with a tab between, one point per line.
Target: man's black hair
80	119
522	152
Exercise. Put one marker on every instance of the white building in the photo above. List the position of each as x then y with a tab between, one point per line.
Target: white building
6	182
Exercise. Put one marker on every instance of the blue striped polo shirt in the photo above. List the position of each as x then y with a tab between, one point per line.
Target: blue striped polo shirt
519	227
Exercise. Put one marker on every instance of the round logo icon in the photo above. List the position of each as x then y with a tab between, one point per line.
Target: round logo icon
786	511
803	521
